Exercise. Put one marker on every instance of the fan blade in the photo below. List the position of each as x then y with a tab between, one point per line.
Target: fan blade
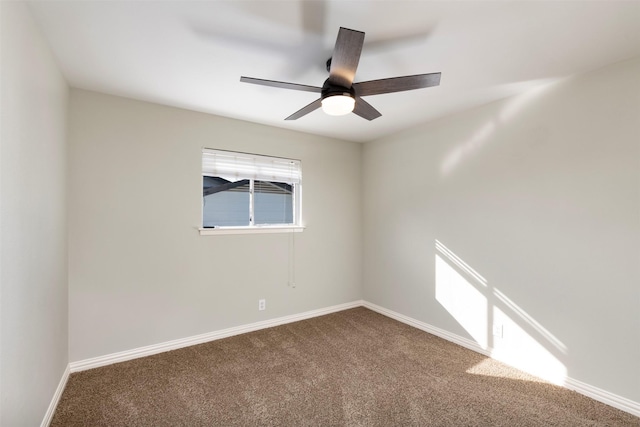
365	110
345	58
396	84
306	110
282	85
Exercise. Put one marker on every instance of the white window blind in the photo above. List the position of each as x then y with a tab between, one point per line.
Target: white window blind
250	166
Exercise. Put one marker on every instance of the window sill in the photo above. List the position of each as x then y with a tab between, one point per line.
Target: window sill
252	230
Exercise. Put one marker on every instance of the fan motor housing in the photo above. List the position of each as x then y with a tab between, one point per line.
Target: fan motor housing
329	89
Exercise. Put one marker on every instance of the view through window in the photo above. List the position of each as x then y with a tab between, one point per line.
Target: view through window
249	190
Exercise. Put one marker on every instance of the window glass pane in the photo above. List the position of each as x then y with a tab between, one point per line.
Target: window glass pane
226	203
273	202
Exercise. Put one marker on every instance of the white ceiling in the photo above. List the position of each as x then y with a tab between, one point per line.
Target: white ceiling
191	54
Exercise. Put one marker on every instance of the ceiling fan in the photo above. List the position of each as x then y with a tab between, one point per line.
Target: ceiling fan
339	95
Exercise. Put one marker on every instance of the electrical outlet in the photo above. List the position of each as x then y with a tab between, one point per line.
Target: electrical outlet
497	331
262	304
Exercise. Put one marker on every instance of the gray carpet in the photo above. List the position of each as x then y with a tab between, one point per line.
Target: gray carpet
352	368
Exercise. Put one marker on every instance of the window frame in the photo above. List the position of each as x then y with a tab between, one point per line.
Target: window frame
296	193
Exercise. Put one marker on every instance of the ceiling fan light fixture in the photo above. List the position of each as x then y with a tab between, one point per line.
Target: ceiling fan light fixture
338	104
338	93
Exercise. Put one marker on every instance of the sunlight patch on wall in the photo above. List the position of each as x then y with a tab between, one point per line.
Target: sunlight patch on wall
465	149
460	263
459	297
496	323
528	91
523	315
519	349
534	88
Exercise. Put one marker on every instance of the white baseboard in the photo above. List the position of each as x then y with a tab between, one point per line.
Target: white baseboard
48	416
456	339
135	353
594	393
603	396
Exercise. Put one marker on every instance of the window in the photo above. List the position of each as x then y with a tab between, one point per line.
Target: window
249	191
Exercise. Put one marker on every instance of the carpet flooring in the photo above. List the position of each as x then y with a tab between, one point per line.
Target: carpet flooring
351	368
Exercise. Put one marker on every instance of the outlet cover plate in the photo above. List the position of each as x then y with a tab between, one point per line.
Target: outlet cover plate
497	331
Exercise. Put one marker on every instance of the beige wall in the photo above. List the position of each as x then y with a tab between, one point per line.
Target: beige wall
33	234
538	198
141	274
